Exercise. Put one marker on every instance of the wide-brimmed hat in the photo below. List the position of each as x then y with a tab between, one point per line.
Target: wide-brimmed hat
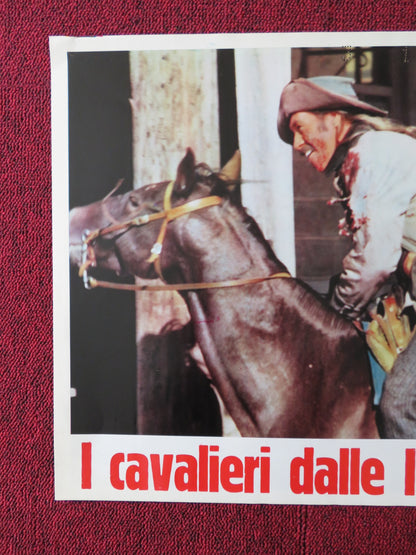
319	93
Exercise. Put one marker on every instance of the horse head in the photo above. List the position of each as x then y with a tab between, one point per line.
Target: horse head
130	233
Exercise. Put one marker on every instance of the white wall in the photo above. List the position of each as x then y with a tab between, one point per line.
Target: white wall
267	192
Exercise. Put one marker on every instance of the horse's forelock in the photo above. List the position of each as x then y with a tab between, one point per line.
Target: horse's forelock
216	182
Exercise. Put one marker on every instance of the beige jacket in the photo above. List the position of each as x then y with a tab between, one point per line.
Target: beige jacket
377	182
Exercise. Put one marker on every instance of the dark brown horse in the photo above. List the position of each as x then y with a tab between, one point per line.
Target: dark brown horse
284	363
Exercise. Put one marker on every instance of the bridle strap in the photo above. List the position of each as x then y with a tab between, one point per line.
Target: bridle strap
171	214
157	247
168	214
185	286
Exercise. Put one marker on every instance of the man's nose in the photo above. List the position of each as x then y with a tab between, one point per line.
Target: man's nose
298	141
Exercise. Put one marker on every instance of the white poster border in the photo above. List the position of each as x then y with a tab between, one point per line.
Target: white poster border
85	464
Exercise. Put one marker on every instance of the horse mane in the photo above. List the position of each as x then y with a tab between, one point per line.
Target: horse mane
217	183
316	310
226	189
312	303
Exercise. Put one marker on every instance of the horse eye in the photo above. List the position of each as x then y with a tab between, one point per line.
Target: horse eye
134	201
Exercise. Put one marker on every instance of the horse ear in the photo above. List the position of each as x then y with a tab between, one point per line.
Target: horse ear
185	176
230	179
232	169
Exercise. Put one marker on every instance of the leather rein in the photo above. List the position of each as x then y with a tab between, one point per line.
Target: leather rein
167	215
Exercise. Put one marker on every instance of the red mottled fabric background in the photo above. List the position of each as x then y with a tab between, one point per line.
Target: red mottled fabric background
30	520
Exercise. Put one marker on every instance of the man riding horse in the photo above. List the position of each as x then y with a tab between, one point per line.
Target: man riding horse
373	161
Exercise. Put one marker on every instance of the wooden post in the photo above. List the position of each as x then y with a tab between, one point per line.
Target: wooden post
174	106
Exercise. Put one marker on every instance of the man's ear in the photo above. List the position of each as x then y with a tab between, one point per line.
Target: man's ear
185	176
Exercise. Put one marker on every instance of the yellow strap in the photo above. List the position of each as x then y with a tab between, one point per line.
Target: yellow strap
193	206
157	247
168	195
175	213
171	214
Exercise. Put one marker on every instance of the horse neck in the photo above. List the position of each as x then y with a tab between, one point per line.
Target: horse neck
279	322
224	243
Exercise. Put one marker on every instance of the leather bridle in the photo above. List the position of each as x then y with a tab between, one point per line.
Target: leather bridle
167	215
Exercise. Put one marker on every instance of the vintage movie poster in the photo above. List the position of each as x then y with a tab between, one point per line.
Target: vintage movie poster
234	235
